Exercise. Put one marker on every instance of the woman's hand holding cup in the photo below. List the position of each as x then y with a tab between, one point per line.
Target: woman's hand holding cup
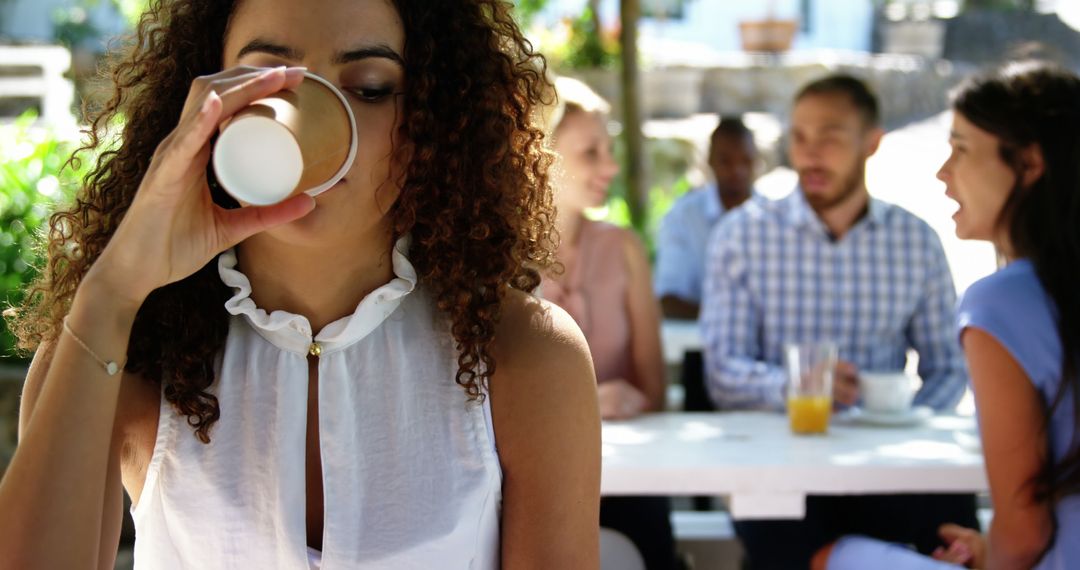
173	227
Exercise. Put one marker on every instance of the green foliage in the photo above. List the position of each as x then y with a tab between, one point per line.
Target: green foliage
33	179
72	26
587	48
670	163
580	44
661	198
131	9
526	10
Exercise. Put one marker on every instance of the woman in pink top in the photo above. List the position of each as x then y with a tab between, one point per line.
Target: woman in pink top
606	287
605	284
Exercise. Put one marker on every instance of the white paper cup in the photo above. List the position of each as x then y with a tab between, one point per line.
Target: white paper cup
300	140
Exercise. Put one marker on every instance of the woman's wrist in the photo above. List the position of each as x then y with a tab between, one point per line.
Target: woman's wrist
106	293
120	276
100	321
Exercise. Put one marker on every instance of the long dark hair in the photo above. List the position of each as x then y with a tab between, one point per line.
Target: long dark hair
475	195
1036	103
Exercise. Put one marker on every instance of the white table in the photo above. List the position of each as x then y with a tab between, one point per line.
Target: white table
767	472
679	336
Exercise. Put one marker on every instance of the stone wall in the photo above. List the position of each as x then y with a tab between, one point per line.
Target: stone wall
910	87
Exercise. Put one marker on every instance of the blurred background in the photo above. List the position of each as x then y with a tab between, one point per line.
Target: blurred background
671	69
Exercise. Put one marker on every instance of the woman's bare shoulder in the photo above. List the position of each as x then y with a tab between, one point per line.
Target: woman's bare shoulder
547	428
533	333
543	371
543	390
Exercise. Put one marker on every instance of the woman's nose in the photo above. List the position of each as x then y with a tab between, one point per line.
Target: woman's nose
943	172
611	166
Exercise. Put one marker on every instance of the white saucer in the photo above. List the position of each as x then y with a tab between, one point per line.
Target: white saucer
911	417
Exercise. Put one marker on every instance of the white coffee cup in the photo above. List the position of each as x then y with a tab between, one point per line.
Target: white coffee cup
886	392
293	141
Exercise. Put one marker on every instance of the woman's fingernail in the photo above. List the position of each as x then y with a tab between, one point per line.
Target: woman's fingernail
294	72
273	71
208	103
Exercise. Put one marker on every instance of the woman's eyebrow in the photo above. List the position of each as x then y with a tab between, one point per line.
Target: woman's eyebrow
260	45
376	50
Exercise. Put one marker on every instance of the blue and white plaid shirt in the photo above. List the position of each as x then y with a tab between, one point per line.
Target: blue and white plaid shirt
774	275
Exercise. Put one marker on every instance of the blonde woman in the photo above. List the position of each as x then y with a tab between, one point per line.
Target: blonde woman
606	287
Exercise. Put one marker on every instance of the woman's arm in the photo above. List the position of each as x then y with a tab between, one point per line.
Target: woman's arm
1015	445
547	428
59	496
647	354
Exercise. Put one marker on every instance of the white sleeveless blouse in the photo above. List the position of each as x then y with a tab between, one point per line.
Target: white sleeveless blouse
411	478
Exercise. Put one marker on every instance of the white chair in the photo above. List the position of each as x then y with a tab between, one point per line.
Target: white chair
618	553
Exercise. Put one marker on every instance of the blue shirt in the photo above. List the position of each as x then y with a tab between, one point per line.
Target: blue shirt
1011	306
774	275
681	242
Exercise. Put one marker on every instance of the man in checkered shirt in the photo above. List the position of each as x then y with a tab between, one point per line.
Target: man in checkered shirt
831	263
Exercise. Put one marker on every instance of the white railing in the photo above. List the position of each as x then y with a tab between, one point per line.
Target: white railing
49	85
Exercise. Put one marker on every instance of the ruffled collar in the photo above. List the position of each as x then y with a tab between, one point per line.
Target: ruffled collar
293	332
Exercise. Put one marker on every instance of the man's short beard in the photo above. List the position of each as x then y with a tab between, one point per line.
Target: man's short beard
849	186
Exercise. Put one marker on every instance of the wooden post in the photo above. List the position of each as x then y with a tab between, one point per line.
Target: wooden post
636	192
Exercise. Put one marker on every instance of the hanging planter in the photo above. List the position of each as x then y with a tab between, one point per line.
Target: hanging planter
769	35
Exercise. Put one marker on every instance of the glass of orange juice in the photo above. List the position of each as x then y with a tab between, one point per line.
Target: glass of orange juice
810	367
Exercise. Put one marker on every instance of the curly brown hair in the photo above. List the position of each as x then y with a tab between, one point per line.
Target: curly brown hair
475	194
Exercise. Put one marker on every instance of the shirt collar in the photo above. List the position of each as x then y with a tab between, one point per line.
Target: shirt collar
714	208
801	215
293	332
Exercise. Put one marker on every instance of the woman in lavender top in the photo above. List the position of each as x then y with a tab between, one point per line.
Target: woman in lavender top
1015	172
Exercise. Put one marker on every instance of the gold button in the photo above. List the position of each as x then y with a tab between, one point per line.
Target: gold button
315	350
